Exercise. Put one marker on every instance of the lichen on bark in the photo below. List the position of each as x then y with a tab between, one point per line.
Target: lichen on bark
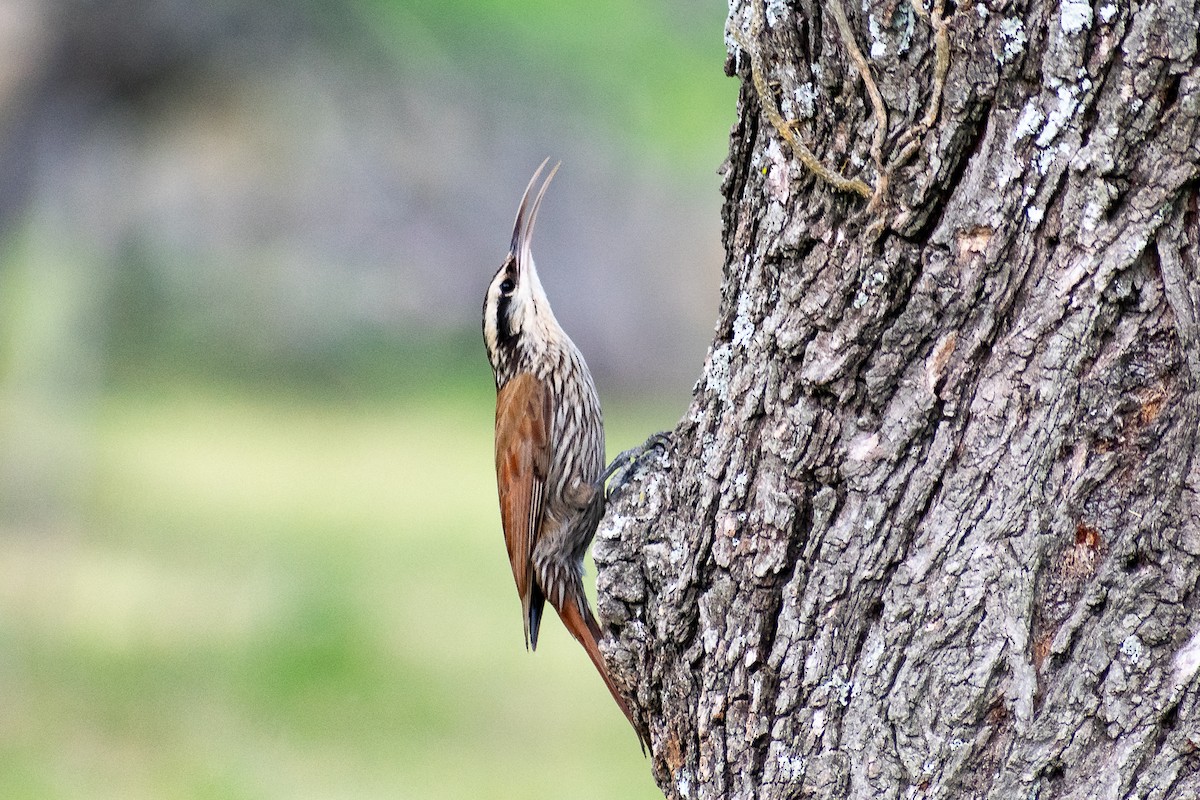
931	525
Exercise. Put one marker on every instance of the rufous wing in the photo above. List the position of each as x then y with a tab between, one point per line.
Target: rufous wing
523	416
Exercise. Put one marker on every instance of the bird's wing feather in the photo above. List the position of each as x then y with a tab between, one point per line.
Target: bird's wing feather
523	416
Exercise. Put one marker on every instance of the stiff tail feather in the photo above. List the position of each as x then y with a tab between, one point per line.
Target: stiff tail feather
583	626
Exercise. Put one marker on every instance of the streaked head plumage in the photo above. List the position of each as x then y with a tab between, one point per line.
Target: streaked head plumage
515	304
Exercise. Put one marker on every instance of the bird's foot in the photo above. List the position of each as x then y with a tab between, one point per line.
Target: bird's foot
621	466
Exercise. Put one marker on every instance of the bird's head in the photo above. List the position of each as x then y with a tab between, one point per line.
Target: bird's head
516	313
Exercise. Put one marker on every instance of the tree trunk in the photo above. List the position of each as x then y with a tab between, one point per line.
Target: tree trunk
931	525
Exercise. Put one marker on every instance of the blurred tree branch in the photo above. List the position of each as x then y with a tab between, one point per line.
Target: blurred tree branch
75	61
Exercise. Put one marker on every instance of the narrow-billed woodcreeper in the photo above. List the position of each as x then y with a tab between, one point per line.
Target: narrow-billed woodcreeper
549	444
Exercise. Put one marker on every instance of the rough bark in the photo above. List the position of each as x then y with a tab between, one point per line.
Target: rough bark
931	525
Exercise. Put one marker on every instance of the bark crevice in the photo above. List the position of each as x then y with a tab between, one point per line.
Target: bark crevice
889	555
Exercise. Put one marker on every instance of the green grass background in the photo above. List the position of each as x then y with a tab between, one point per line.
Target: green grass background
280	573
294	596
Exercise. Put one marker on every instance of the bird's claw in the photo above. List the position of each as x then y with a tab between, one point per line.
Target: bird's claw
623	464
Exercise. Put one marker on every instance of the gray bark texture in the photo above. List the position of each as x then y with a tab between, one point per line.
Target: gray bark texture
931	525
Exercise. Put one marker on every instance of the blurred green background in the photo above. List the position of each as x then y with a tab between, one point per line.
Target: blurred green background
249	544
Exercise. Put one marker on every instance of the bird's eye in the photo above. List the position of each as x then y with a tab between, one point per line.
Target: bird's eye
506	286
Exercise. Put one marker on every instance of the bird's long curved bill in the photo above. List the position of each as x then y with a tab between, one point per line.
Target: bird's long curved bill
522	238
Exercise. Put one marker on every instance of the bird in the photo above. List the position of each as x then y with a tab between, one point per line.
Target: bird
550	471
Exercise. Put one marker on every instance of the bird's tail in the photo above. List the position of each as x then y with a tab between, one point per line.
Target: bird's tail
578	619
